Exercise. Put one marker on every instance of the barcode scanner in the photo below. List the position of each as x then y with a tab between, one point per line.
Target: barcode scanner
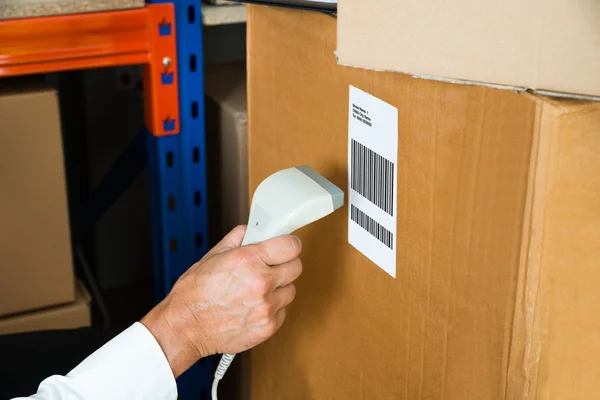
282	203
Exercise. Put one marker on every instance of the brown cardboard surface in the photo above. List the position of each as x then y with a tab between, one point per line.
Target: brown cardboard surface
556	321
537	44
70	316
36	269
498	212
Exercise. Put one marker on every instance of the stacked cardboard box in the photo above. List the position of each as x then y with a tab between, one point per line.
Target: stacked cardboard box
498	220
550	46
36	267
68	316
227	164
227	141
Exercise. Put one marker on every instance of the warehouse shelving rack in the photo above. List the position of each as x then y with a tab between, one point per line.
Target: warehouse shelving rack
166	38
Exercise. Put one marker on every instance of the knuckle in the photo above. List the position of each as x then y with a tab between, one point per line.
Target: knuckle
263	284
265	310
247	256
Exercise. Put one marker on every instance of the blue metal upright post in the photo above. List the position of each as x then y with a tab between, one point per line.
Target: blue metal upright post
165	189
190	175
193	141
197	381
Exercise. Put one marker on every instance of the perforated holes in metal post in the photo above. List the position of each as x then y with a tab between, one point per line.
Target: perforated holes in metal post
191	14
173	245
193	63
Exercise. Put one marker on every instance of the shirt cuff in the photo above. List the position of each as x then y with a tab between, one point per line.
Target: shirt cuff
131	366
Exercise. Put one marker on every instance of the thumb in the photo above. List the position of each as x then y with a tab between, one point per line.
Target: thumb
231	241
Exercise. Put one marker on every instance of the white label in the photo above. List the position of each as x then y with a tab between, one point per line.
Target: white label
372	178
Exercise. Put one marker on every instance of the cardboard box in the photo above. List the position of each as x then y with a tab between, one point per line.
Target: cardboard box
496	294
36	267
70	316
551	45
227	139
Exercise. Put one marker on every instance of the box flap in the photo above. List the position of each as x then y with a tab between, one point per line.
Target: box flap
550	45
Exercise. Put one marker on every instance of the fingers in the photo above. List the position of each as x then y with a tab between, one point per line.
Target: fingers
279	318
279	250
273	324
231	241
283	297
287	273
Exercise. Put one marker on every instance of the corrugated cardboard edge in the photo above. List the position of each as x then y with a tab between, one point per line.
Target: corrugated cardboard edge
521	353
542	92
530	321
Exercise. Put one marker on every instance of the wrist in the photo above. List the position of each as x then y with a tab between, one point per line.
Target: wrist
172	337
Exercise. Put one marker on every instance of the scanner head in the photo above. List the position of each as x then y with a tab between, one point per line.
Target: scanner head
288	200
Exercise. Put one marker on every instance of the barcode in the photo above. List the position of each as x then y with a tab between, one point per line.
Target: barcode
373	227
372	177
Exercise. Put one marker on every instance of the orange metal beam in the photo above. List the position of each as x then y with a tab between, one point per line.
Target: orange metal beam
50	44
144	36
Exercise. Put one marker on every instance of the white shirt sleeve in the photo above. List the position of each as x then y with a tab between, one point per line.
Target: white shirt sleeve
132	366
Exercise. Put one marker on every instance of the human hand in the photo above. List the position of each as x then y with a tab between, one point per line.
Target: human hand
230	301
